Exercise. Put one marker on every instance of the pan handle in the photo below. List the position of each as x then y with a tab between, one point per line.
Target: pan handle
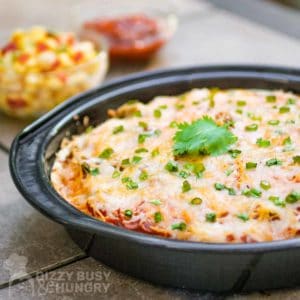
31	180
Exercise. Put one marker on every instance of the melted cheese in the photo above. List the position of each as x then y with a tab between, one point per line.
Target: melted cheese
158	201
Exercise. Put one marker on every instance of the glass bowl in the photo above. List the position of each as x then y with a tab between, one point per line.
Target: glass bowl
30	95
164	13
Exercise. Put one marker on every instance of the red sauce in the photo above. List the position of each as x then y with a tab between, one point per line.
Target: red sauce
130	37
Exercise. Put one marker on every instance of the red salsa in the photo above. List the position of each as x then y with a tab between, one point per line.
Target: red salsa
130	37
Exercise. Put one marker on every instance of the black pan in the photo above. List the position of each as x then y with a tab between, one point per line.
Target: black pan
201	266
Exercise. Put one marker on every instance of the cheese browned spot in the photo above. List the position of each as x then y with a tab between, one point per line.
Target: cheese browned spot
140	185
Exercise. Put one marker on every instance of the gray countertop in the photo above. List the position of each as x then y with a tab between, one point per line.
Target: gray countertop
51	264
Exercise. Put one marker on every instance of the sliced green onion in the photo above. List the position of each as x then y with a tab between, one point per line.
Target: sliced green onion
125	162
183	174
115	174
251	193
157	113
241	103
265	185
171	166
211	217
155	202
273	122
291	101
263	143
271	99
155	152
284	109
277	201
292	197
251	127
141	150
244	217
196	201
219	186
186	186
144	125
118	129
251	165
158	217
106	153
273	162
143	176
287	141
179	226
128	213
234	153
136	159
296	159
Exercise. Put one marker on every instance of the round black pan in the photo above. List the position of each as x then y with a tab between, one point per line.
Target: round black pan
201	266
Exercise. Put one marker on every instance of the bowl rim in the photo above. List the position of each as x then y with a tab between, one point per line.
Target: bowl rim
101	54
70	216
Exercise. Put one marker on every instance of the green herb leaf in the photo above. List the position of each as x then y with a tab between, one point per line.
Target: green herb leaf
203	136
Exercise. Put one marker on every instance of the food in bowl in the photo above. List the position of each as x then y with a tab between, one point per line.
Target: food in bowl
209	165
40	68
135	36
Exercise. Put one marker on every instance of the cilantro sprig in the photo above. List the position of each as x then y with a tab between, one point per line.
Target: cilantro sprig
204	137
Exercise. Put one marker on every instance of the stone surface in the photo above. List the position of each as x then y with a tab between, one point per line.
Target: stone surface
94	281
25	232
